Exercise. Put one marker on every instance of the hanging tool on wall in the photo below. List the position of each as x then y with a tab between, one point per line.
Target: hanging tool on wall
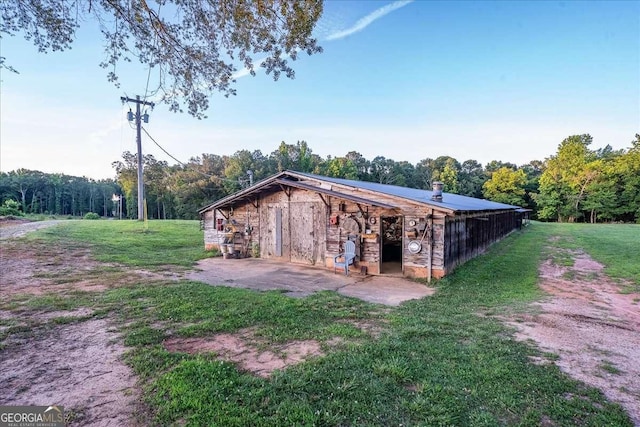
415	246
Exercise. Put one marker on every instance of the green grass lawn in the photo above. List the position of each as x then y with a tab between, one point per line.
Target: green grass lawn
445	360
132	243
617	246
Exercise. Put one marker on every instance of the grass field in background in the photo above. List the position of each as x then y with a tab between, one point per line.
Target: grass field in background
444	360
134	243
617	246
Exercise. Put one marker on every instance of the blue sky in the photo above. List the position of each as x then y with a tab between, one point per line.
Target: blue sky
405	80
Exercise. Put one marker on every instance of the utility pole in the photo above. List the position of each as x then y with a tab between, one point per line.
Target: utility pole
138	118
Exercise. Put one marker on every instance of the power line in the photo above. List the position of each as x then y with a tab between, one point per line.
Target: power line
169	154
185	164
155	45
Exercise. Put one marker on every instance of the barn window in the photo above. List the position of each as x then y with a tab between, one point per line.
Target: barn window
219	224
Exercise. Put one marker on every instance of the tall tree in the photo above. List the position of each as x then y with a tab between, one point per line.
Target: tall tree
506	186
424	171
127	178
563	181
196	46
298	157
627	172
471	178
341	167
362	165
533	171
449	176
494	165
382	170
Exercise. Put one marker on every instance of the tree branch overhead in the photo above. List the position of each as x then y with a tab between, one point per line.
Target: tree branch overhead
197	46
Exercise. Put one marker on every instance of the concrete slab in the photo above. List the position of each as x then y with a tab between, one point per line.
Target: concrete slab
301	280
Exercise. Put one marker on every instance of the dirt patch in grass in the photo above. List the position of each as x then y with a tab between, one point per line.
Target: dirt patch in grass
77	366
238	349
37	268
79	312
591	326
374	328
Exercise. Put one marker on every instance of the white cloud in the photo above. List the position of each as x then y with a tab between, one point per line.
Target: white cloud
369	19
337	35
245	71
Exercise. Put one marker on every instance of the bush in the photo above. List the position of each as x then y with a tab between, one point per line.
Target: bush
10	207
255	250
91	215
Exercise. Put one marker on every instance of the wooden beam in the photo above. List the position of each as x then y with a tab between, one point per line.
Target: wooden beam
255	203
222	213
326	203
285	188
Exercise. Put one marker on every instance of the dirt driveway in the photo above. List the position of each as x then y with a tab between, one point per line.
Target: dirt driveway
300	280
66	357
591	326
16	228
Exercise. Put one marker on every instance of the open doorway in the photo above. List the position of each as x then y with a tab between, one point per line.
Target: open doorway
391	245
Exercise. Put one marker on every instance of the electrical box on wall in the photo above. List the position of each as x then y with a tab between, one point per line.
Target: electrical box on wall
333	219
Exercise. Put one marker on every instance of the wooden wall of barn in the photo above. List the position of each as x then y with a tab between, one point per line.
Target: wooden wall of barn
309	235
466	236
293	226
430	224
245	219
350	221
211	235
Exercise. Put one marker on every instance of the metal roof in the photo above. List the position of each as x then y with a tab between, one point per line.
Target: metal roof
356	199
449	201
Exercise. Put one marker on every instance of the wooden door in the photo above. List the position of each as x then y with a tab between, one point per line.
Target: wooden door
274	240
306	237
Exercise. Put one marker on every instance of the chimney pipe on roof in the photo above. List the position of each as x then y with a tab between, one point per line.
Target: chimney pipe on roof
437	191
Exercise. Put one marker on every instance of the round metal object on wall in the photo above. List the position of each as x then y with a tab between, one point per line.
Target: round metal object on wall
412	223
414	246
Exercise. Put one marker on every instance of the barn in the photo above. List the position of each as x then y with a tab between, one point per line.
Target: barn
305	218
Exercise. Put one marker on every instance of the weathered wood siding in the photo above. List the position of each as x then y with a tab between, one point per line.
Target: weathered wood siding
367	233
302	226
294	227
212	238
469	235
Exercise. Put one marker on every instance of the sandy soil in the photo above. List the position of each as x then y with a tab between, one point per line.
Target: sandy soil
19	227
77	366
240	349
249	353
591	326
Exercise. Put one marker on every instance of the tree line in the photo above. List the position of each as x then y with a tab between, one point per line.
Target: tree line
57	194
575	184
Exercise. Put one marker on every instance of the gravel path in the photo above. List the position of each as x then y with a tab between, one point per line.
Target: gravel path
10	231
